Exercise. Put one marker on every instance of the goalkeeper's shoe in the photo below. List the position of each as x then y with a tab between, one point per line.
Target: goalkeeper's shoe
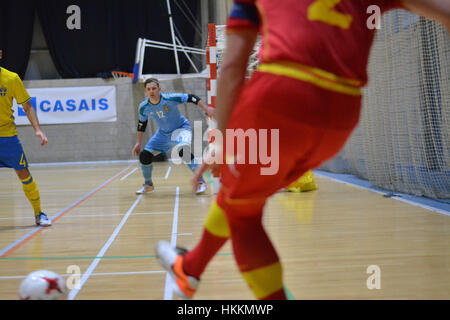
202	186
145	189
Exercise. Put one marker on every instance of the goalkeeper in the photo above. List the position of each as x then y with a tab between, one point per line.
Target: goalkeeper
174	130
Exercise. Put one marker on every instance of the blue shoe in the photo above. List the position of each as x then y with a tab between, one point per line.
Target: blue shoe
42	220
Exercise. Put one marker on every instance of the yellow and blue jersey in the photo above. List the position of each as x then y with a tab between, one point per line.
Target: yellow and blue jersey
11	153
165	114
11	87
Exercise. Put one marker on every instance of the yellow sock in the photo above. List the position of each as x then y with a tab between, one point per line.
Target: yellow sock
265	281
32	193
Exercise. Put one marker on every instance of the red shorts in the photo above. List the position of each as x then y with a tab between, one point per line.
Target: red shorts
313	125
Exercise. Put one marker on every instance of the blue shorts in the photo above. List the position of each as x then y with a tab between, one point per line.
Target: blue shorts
164	141
11	153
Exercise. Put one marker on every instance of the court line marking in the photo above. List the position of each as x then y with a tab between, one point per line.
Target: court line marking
75	163
93	215
129	173
104	257
288	293
73	293
329	175
17	218
94	274
18	243
168	291
168	172
145	213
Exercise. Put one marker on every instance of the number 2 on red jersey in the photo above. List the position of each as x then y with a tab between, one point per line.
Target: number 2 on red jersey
323	11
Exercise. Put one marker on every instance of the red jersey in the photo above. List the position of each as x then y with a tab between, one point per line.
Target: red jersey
325	42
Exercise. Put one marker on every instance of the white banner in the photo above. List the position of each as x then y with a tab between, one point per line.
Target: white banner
70	105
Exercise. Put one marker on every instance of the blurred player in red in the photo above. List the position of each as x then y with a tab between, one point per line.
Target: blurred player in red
313	61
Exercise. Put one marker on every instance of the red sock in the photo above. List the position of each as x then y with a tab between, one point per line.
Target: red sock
195	261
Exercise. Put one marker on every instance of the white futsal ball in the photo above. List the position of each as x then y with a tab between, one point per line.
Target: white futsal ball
42	285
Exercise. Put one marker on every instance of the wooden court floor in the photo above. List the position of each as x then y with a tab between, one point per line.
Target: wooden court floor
327	239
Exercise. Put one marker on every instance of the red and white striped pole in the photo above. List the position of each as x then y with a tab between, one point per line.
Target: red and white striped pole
211	60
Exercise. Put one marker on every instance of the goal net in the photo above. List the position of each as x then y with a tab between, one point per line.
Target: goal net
402	141
221	45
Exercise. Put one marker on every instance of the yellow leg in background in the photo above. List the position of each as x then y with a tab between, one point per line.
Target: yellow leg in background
305	183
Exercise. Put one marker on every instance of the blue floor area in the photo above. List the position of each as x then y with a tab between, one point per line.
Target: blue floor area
437	205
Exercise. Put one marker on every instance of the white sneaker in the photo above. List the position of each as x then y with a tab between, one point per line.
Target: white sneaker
42	220
171	259
201	188
145	189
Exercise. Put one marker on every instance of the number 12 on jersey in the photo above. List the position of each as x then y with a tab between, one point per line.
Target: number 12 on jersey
160	114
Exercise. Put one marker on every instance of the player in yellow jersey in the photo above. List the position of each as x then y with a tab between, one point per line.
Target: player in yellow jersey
11	152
